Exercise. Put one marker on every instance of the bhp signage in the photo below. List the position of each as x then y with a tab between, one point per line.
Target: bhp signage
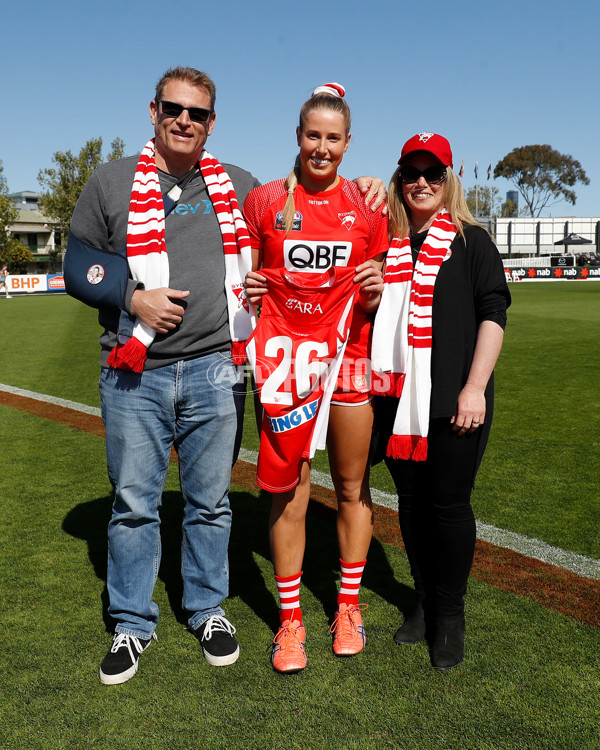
31	284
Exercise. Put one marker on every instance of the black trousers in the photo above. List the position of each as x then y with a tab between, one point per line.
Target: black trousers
436	518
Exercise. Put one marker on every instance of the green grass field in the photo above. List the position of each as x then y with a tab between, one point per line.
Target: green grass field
531	677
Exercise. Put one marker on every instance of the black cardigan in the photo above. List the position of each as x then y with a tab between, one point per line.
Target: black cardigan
470	288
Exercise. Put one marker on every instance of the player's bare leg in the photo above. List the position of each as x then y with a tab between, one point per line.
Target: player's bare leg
287	526
348	442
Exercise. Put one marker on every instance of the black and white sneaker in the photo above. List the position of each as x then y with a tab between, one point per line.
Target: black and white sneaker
217	640
121	662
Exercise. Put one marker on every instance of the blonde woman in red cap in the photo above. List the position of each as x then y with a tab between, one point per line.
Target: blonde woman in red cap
438	333
317	222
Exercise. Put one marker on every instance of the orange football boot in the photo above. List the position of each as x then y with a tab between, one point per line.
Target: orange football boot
349	636
288	647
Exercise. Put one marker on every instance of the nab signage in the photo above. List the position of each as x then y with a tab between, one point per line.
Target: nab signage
548	273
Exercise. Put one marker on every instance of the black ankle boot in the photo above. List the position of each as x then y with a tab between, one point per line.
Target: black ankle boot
448	647
412	629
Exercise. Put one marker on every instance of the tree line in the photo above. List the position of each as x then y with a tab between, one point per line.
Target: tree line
63	184
542	176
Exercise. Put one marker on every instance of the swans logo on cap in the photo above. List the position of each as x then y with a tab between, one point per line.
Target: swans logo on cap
431	142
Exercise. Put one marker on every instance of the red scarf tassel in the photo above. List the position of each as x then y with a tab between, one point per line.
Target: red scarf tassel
130	356
408	447
238	353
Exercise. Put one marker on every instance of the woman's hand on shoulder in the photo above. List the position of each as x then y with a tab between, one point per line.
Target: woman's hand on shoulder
255	286
370	279
374	191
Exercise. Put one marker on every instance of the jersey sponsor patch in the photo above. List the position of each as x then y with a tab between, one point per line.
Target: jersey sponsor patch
295	418
308	308
296	226
315	256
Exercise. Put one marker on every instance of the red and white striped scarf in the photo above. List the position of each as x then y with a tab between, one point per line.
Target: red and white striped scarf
148	260
402	335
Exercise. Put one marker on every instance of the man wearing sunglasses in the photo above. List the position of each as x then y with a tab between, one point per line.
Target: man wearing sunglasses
166	230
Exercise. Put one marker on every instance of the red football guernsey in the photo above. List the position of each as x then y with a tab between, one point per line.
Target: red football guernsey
332	228
295	353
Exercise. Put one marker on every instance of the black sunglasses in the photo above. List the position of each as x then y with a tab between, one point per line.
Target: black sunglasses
432	175
197	114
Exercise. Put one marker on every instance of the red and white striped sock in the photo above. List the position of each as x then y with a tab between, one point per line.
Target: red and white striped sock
350	583
288	588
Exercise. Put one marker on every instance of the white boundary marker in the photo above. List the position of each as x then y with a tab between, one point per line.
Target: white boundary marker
75	405
584	566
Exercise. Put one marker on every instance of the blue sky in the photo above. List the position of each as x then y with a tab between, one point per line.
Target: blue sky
488	76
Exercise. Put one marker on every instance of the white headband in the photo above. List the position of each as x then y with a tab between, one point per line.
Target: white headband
334	89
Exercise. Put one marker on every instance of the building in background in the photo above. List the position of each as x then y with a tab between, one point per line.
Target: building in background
528	236
36	232
512	203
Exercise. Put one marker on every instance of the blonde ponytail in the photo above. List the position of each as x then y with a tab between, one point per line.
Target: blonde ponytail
289	210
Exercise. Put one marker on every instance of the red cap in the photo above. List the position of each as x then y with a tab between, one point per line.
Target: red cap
430	142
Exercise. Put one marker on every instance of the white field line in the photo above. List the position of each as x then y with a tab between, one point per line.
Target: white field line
579	564
76	406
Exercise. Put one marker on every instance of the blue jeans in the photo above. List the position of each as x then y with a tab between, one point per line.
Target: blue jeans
144	415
